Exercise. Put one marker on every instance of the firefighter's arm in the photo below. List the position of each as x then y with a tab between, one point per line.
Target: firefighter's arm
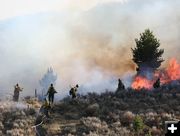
54	91
47	92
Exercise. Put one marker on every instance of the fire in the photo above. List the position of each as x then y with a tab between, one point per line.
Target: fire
172	72
141	82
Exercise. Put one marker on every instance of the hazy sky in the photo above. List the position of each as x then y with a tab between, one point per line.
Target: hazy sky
13	8
85	41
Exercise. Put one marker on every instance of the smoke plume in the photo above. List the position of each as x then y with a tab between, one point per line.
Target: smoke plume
90	47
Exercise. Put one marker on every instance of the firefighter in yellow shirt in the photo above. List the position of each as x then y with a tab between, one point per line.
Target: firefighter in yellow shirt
73	91
17	90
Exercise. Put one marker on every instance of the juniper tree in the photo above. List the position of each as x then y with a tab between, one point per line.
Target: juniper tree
146	53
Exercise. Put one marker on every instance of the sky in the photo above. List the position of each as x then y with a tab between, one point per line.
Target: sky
14	8
85	41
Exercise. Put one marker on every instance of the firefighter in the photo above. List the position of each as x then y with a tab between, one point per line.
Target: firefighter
120	85
45	108
17	90
73	91
157	83
50	93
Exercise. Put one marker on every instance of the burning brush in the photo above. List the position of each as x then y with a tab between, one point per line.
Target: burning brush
166	76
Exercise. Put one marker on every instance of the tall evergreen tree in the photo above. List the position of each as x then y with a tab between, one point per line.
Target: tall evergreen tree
146	53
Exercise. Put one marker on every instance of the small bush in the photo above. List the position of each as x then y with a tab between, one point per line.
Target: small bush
138	124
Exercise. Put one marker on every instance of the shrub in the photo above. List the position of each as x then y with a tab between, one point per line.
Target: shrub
138	124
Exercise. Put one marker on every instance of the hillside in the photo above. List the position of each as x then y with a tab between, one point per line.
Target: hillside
111	114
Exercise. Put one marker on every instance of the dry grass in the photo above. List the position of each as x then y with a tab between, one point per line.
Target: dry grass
108	114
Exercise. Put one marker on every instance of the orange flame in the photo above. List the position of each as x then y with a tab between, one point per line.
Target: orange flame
172	72
141	82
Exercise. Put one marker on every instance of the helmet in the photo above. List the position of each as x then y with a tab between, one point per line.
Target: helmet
77	85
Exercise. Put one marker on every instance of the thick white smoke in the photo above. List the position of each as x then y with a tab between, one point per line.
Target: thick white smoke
90	47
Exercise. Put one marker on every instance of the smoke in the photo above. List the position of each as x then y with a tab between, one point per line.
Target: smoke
106	33
90	47
9	105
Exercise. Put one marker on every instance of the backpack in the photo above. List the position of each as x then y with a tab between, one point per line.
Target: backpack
71	91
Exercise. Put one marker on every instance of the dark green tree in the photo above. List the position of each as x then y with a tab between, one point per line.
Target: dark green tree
146	53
